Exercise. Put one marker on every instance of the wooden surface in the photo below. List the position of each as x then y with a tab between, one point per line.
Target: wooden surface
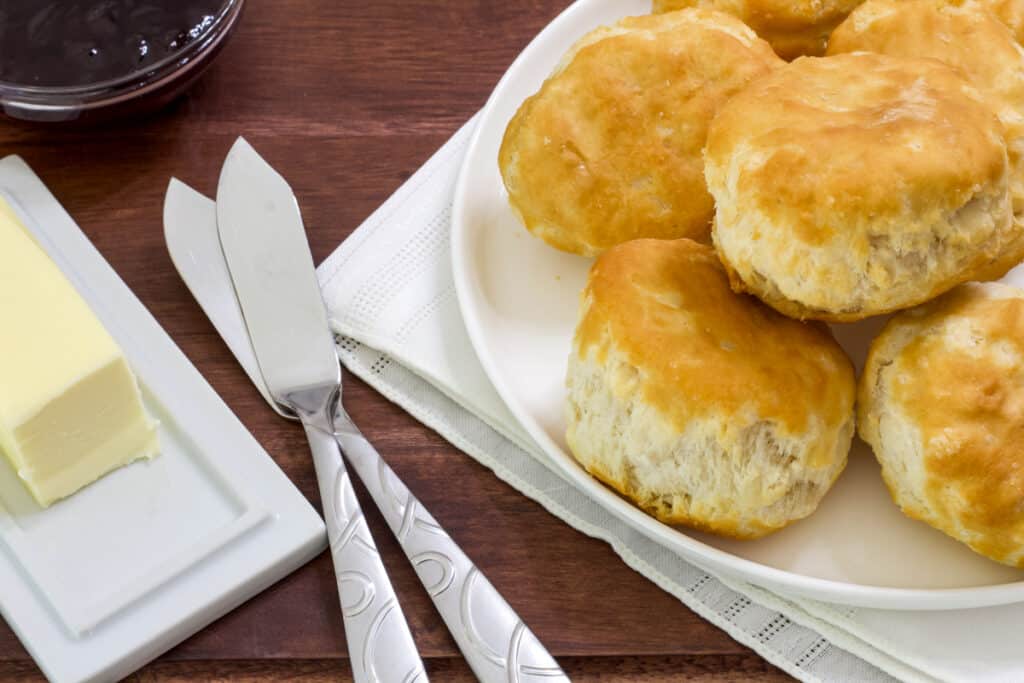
347	99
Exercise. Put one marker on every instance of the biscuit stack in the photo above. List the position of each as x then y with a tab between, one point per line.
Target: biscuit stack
737	203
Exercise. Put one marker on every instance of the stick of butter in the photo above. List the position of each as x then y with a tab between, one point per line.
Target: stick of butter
70	407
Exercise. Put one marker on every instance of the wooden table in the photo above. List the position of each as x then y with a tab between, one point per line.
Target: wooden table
347	99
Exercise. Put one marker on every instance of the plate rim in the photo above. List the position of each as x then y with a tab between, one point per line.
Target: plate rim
701	554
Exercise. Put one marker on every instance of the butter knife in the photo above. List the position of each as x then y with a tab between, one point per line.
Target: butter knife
496	644
269	262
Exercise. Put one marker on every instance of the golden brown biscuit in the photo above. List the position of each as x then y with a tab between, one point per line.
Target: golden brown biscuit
941	402
967	37
610	148
853	185
702	406
792	27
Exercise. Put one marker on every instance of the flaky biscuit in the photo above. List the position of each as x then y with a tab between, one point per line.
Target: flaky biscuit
968	37
941	402
858	184
609	149
704	407
792	27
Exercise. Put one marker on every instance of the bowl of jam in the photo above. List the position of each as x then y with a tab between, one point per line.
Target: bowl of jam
90	61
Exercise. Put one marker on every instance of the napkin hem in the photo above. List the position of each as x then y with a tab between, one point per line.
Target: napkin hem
374	342
837	635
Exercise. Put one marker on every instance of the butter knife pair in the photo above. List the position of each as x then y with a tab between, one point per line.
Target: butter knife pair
247	262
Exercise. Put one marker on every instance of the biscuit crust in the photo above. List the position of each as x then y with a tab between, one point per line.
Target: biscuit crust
941	402
704	407
953	34
858	184
792	27
609	149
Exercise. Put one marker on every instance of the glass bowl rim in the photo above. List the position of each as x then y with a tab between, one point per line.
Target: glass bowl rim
80	95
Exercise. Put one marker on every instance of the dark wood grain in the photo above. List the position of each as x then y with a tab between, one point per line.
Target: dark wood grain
347	99
708	669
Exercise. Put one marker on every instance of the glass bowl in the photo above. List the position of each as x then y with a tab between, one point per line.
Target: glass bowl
135	94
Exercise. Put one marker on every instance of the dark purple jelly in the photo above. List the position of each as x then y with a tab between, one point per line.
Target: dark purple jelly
84	42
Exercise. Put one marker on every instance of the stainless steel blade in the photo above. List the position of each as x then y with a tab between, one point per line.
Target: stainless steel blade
190	230
268	257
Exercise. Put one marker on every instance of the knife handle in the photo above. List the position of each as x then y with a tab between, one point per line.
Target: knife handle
495	642
380	646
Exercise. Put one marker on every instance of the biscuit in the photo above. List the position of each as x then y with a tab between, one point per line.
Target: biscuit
858	184
953	33
704	407
941	402
792	27
609	149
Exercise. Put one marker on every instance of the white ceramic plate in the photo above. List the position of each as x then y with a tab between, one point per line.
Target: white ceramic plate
519	300
104	581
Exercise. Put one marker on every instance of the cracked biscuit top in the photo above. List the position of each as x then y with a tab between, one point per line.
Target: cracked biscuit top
610	147
858	184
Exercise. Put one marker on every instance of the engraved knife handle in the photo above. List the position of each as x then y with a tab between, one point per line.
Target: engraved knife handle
380	646
495	642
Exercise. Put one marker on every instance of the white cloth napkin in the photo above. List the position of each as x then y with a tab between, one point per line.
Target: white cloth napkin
392	303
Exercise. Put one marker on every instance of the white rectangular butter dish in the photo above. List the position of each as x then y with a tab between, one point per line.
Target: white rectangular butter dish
104	581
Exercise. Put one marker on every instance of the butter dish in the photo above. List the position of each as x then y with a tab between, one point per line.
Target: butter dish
102	582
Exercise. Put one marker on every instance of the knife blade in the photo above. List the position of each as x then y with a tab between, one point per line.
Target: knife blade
268	258
190	231
270	265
